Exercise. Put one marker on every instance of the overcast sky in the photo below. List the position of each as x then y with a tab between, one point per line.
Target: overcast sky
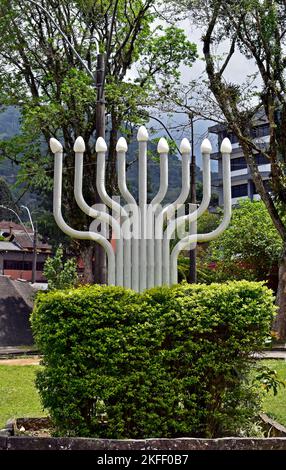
237	70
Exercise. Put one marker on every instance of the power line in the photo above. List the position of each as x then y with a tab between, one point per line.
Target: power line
92	164
49	171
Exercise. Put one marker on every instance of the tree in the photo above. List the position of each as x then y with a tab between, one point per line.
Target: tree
250	246
256	29
60	274
6	199
199	193
41	73
208	221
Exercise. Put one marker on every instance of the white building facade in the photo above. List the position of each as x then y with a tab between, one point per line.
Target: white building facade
242	186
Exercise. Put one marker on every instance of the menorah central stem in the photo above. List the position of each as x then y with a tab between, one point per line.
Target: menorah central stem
142	195
121	149
154	244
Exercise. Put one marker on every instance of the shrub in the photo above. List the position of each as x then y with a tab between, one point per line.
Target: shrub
250	248
167	363
60	274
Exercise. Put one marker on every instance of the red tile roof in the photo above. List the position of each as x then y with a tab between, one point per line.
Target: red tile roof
7	224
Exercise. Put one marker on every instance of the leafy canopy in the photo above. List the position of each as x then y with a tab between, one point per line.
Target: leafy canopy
250	240
41	74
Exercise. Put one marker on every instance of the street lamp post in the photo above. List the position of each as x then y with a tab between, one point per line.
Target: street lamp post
35	234
18	217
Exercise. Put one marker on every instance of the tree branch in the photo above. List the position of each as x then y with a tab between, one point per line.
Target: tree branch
229	56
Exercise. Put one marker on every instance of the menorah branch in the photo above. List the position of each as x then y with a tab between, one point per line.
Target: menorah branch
57	149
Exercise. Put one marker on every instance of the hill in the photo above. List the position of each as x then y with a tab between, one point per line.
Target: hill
10	126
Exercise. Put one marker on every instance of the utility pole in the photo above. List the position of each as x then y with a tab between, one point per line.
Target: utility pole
100	273
100	101
35	237
193	199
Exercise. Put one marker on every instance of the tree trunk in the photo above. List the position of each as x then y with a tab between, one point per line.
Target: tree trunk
193	253
86	254
279	324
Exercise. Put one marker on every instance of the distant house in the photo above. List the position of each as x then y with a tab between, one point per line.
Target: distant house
16	303
16	252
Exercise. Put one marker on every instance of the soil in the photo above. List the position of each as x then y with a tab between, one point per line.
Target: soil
33	433
35	427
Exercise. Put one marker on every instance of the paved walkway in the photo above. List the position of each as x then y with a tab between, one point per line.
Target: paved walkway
24	361
14	351
33	359
274	354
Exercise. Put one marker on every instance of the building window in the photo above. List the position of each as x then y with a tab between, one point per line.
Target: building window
232	137
261	159
238	164
239	190
253	188
40	266
260	131
22	265
18	265
266	184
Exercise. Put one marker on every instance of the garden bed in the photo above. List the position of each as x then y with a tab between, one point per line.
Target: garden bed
186	444
30	430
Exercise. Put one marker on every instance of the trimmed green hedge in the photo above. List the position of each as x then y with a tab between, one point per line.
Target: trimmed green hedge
170	362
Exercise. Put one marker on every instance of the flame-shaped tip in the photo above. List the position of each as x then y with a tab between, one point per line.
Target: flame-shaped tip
226	146
100	145
163	146
55	145
79	145
206	146
121	145
142	134
185	146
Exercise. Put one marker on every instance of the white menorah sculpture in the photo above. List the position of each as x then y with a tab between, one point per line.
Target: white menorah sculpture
142	257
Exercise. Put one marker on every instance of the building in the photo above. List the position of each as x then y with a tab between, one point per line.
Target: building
242	185
16	252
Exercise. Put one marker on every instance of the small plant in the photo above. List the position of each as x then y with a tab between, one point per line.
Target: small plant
269	380
60	274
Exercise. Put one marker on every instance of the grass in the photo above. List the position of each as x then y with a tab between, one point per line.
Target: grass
18	395
275	406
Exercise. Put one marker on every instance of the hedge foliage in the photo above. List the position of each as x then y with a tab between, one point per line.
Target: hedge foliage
170	362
